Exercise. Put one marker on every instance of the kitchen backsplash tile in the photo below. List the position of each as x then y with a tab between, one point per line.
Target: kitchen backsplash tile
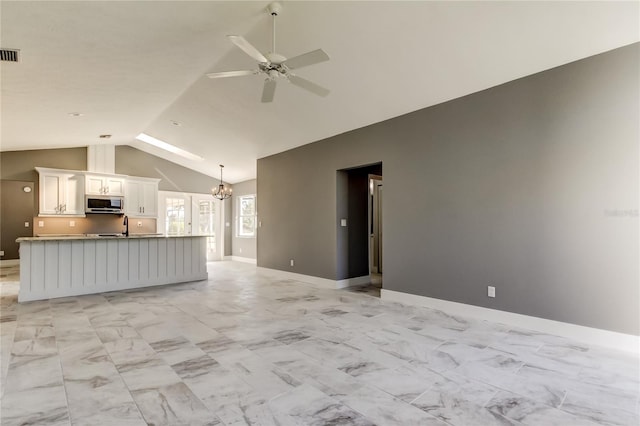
92	224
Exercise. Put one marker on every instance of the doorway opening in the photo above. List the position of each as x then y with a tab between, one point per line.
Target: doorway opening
16	210
359	228
375	230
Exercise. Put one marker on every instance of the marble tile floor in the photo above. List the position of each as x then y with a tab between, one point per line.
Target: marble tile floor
9	273
243	348
369	289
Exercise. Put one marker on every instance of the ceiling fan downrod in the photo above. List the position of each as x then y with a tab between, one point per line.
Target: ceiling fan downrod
274	9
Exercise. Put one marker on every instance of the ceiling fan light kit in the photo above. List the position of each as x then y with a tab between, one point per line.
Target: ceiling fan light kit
274	65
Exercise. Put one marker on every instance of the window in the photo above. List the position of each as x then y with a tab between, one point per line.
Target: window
175	216
246	216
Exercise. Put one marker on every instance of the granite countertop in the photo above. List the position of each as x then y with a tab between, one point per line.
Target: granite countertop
67	237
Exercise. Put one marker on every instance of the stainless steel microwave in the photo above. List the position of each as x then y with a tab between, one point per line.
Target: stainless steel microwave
103	204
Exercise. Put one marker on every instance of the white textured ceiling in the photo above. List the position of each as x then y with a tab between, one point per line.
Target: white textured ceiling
133	67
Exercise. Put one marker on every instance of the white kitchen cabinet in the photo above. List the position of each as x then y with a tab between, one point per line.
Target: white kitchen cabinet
141	197
61	192
99	184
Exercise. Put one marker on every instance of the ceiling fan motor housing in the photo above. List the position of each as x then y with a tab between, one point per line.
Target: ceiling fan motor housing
275	8
275	58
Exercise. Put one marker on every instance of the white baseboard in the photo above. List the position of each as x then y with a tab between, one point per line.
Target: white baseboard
10	262
309	279
589	335
241	259
351	282
315	281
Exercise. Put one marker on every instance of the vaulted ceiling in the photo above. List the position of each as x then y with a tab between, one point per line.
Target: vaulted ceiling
138	66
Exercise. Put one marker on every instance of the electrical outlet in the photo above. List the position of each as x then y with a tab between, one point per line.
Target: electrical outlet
343	222
72	223
240	249
41	223
259	224
491	291
1	252
139	224
291	261
26	224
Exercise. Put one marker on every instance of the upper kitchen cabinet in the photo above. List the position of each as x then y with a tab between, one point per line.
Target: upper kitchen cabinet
141	197
100	184
61	192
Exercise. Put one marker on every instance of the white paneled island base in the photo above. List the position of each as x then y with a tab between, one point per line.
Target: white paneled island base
69	266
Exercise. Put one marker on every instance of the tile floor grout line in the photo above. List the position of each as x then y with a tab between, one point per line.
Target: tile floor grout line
64	382
118	370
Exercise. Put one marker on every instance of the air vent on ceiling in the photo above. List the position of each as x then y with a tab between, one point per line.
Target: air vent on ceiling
9	55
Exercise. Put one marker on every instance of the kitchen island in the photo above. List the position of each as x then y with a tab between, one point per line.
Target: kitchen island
64	266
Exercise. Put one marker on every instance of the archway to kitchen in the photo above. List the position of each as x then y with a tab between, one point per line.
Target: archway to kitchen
359	228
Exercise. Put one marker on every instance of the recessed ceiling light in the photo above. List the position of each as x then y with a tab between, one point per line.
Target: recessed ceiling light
176	123
104	136
167	147
76	114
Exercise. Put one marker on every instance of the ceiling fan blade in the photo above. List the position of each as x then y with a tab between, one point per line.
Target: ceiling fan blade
247	47
268	90
306	59
308	85
231	73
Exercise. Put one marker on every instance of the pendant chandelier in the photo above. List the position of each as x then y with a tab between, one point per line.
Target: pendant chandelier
221	192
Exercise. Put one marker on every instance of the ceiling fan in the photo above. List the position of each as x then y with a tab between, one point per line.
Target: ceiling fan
276	66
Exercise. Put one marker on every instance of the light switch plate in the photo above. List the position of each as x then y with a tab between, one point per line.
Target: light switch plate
26	224
1	252
41	223
343	222
491	291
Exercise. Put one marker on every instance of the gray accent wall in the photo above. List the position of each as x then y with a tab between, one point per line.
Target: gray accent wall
531	186
242	246
20	165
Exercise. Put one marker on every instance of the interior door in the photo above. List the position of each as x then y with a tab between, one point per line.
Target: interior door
375	224
379	225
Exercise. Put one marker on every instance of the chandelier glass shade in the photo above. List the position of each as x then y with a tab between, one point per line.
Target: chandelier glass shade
221	192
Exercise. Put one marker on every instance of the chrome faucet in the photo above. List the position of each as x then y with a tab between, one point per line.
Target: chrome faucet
125	232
